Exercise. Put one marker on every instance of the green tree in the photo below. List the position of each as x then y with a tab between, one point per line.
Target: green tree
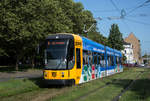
146	56
78	16
97	37
21	27
25	23
115	38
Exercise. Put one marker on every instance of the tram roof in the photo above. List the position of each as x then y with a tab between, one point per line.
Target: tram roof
60	35
109	50
92	46
117	53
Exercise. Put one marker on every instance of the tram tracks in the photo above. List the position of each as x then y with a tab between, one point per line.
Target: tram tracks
51	93
61	91
114	80
127	87
66	89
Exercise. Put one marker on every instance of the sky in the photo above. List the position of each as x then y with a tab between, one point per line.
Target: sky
136	18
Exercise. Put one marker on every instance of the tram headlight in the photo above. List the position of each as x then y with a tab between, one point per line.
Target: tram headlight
62	74
45	74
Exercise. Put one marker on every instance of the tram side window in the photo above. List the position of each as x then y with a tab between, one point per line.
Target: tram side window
85	57
90	58
101	60
110	60
117	60
78	59
70	56
120	60
95	59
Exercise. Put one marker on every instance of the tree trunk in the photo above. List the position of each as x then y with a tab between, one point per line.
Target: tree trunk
33	64
17	61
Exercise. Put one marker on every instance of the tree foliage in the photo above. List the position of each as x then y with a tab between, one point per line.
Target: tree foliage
25	23
115	38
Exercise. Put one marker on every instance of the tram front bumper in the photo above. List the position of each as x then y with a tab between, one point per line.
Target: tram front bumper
59	82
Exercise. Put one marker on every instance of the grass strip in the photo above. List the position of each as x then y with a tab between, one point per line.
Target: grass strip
83	89
25	89
139	91
109	92
18	86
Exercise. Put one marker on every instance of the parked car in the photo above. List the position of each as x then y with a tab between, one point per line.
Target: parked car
142	65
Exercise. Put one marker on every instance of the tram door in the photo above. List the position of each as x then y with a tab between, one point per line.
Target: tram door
78	64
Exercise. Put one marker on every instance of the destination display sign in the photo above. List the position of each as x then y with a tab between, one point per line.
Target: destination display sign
55	43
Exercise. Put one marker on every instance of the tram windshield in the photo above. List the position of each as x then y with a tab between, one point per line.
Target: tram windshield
55	54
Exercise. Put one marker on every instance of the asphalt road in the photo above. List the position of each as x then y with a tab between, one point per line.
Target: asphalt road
4	76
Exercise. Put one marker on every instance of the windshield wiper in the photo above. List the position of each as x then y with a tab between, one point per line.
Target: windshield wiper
61	62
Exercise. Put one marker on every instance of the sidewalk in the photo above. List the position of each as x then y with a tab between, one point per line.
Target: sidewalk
4	76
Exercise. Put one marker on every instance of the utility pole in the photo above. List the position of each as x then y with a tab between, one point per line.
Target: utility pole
146	57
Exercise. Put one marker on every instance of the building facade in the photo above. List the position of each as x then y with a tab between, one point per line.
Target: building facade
128	52
136	47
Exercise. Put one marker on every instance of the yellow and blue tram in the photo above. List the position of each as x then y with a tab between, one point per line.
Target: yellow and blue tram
72	59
